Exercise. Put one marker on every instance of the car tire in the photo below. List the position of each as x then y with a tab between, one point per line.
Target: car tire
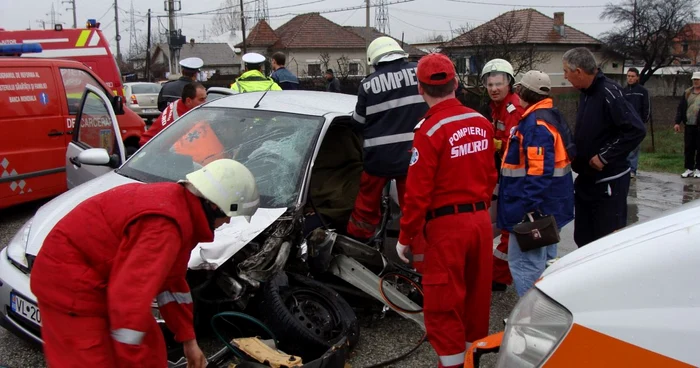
307	317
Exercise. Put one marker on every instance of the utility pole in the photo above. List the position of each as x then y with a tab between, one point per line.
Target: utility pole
116	25
148	49
367	41
171	29
75	20
243	28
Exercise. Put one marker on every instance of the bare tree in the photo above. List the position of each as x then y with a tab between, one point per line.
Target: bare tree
648	30
228	19
502	38
325	60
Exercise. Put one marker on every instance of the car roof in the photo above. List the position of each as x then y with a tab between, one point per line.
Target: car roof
137	83
298	102
34	61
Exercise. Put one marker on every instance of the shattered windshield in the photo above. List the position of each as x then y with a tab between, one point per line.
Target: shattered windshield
274	146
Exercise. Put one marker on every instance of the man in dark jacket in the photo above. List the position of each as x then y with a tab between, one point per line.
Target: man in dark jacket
172	91
333	84
687	114
388	108
282	76
607	130
638	97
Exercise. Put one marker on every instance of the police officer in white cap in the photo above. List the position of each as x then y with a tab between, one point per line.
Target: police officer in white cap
253	80
172	90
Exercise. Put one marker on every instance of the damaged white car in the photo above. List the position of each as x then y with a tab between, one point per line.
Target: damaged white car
307	160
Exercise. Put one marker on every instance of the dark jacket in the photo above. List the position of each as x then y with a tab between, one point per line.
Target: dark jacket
171	91
285	79
388	108
333	85
682	111
608	126
638	97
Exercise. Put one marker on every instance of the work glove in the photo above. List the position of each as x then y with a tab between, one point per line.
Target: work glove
497	143
401	250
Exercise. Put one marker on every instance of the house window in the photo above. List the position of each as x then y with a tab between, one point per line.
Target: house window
685	47
461	66
353	69
314	69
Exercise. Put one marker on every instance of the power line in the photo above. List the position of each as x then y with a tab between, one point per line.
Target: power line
415	26
528	6
438	15
344	9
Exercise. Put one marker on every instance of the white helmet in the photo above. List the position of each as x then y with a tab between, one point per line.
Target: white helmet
229	185
384	49
497	66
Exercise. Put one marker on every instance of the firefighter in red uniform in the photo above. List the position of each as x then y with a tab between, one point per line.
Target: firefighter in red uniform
498	79
450	181
104	263
193	95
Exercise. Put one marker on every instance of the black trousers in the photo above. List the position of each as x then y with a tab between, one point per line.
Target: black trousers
692	147
600	208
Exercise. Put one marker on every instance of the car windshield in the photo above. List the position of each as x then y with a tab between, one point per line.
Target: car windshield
276	147
138	89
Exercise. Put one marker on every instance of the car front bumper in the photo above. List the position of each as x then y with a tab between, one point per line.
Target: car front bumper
12	279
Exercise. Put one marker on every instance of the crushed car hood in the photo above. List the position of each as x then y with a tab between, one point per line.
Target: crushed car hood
228	239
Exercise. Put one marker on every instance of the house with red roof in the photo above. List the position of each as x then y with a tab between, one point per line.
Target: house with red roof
544	38
314	44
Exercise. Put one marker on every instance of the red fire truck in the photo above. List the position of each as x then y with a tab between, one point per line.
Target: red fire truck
86	45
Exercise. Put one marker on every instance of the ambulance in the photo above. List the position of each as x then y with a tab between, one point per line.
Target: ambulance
40	100
630	299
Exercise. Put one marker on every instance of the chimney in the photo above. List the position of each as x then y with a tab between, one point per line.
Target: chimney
559	23
191	41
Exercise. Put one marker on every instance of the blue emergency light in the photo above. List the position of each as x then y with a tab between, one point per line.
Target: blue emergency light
20	48
92	23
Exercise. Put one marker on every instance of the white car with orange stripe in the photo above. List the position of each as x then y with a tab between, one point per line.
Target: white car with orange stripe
630	299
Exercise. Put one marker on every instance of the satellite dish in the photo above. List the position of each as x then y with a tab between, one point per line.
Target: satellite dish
237	50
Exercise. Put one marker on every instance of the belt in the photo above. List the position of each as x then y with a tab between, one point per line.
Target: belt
455	208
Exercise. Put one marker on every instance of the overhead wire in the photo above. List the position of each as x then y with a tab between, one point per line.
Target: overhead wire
415	26
527	6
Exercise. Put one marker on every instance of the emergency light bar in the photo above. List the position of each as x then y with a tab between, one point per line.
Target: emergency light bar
20	48
92	23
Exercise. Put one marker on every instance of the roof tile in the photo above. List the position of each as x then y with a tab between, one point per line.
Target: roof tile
261	35
314	31
537	28
372	33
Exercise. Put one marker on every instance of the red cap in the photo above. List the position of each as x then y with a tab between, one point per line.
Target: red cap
435	69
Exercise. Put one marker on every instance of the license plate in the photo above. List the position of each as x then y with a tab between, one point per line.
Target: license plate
150	111
25	308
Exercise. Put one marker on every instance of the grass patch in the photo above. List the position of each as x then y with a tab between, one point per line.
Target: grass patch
667	154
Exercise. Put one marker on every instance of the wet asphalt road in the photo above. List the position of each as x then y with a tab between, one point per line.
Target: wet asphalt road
650	194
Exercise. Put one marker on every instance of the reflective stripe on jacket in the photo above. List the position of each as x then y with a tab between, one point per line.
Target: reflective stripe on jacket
536	171
254	81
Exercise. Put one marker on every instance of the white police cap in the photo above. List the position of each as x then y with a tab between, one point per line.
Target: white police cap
253	58
192	63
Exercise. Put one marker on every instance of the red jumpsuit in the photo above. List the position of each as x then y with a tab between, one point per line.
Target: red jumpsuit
506	115
452	170
170	114
104	263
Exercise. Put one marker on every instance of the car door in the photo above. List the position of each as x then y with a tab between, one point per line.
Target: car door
96	147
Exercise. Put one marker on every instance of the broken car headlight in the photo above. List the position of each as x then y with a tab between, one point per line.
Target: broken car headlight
18	246
534	329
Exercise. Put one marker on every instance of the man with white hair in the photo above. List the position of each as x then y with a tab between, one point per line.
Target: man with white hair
607	130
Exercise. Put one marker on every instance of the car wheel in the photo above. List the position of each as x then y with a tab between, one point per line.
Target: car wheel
308	317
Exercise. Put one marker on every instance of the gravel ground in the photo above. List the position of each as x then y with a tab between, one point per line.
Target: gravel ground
386	338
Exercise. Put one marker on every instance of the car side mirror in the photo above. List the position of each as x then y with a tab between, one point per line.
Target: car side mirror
95	156
118	105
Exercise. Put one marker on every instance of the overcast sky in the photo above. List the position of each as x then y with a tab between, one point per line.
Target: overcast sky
416	19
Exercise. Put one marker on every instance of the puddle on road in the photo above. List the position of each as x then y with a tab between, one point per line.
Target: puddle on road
653	193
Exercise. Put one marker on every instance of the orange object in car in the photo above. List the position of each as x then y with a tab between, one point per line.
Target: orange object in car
201	143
